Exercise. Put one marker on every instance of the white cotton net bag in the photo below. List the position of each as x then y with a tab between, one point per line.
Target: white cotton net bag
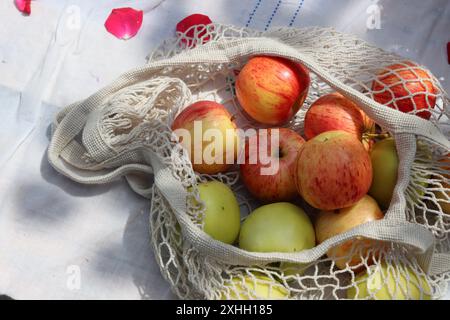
124	130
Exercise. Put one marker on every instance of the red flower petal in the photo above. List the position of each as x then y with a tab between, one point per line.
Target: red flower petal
448	52
124	23
186	26
23	6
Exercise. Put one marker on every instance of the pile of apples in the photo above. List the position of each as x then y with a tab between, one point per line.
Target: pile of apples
341	166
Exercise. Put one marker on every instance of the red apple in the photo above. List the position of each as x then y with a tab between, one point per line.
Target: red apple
206	129
333	170
271	89
403	85
335	112
278	185
331	223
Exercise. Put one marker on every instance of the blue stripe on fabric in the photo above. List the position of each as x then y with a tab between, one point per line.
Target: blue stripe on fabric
250	17
272	15
296	13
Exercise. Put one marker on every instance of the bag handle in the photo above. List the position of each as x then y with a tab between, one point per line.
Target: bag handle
63	155
64	151
440	264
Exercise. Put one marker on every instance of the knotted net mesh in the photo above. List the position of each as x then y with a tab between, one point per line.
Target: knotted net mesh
135	119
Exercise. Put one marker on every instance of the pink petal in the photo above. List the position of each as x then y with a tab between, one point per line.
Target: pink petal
124	23
23	6
186	27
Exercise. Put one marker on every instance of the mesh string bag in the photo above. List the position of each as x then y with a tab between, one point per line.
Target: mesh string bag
124	130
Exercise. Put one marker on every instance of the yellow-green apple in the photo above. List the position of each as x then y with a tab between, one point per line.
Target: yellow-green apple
293	269
443	197
390	282
335	112
207	131
332	223
385	169
333	170
406	87
385	164
281	153
277	227
221	219
255	287
271	89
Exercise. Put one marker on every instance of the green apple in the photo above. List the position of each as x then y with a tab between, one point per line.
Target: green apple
444	196
385	169
255	287
277	227
222	216
385	164
390	283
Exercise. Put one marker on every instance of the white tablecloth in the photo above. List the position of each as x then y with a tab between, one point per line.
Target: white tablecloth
62	240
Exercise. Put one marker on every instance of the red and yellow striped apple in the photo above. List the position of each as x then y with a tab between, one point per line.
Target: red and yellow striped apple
333	170
271	89
206	129
332	223
403	85
336	112
280	184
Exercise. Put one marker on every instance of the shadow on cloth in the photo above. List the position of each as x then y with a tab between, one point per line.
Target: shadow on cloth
146	274
50	175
